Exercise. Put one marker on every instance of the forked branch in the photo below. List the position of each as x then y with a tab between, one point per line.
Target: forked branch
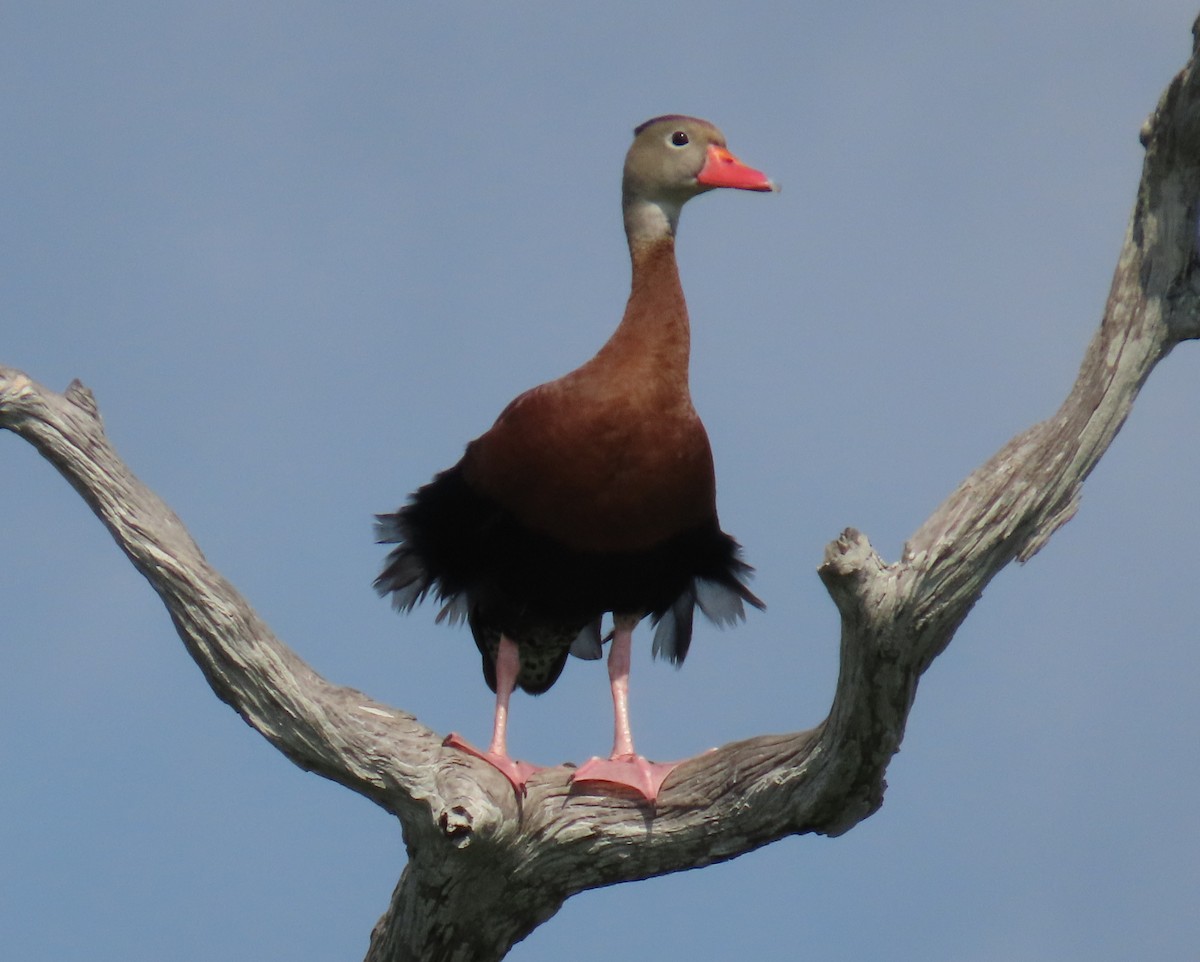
485	868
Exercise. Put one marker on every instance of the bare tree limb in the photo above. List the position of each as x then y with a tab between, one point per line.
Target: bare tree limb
334	731
485	869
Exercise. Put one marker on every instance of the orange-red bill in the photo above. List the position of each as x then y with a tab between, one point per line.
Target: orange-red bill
722	169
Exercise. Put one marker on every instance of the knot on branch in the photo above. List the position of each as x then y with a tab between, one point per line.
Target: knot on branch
849	570
81	396
846	555
468	811
457	824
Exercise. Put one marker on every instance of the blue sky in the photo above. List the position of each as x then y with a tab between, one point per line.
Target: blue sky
303	252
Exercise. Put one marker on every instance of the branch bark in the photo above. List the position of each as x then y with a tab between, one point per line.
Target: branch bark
485	869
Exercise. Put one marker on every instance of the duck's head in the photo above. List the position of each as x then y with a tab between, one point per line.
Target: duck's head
672	159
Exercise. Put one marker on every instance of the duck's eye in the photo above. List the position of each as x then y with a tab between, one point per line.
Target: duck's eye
679	138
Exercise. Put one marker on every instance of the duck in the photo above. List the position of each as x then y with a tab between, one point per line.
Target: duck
591	495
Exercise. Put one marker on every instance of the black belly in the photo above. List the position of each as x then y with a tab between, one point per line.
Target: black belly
505	577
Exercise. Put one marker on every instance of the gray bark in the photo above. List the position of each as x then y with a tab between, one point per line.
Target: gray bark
485	869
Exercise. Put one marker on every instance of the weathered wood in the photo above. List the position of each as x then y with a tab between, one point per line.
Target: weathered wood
485	869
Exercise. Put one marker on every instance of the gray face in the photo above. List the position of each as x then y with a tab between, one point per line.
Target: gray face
666	155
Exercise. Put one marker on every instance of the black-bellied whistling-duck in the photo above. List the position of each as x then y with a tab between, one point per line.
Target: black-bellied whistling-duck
593	493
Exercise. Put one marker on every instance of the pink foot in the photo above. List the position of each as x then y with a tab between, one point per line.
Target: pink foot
518	773
631	771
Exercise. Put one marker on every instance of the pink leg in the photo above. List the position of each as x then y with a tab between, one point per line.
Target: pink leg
508	666
624	767
619	659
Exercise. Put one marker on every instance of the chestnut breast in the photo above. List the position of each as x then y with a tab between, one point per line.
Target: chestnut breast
600	460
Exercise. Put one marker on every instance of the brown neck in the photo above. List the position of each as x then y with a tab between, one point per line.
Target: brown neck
653	339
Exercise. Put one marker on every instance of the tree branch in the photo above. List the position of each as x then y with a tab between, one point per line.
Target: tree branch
485	868
334	731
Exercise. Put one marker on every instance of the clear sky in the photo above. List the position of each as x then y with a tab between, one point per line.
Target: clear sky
303	252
